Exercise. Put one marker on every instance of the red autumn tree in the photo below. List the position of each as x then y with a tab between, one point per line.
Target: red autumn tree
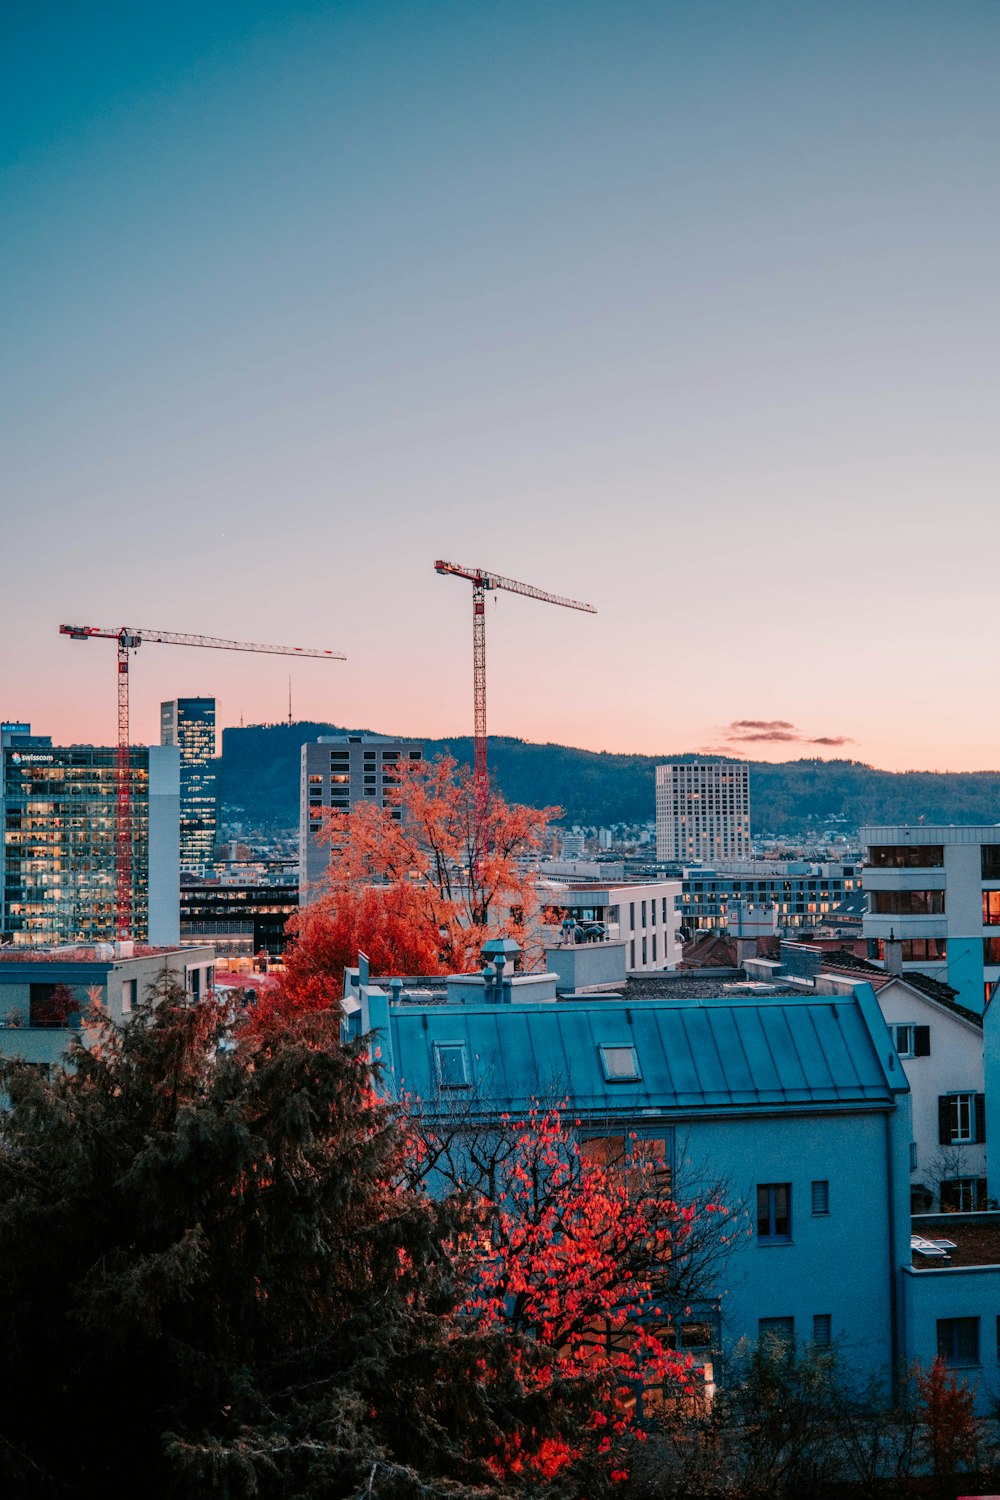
581	1249
948	1432
421	884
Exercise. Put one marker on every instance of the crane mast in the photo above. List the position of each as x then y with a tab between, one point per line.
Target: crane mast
482	580
129	639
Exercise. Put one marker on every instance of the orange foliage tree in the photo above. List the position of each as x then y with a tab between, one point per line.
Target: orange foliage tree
420	884
581	1252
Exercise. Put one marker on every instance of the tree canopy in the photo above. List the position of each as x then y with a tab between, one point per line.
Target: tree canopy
222	1272
420	884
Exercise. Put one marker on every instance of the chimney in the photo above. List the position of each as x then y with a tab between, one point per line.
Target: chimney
892	951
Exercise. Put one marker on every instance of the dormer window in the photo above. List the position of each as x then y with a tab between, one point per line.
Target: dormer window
451	1061
620	1064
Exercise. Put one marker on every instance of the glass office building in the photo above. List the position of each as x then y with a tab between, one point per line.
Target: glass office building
189	723
58	859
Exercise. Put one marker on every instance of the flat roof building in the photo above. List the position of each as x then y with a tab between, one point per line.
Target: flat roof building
58	854
703	811
189	723
338	772
936	891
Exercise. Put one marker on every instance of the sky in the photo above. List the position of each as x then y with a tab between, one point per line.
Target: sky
685	309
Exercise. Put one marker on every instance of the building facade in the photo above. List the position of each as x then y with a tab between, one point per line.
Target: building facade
338	772
703	811
780	1097
803	895
189	724
58	856
240	920
938	891
642	916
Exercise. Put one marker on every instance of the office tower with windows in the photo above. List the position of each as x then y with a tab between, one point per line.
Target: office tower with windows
703	811
338	772
58	855
189	723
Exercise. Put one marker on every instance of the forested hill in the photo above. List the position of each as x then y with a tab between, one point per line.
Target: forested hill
259	775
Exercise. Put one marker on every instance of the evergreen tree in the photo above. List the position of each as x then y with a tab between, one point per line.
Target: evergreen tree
214	1280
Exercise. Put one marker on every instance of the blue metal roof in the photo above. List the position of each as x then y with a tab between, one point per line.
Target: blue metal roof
692	1056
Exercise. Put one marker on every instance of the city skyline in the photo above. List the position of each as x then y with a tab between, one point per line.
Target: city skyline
685	310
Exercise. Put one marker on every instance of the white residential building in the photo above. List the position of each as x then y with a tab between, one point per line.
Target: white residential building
642	916
703	811
940	1048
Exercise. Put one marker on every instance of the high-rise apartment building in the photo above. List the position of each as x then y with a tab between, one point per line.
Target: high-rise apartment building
703	811
339	771
57	858
936	892
189	723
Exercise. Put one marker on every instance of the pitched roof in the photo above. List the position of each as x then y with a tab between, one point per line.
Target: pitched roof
934	989
692	1056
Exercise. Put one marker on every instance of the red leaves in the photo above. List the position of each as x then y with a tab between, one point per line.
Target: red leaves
950	1432
576	1252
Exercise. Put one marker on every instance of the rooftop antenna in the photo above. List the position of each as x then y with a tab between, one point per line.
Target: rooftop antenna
289	700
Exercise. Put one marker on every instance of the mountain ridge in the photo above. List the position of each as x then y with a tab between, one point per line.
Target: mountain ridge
260	766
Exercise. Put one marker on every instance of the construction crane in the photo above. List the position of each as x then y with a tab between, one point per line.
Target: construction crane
481	580
130	638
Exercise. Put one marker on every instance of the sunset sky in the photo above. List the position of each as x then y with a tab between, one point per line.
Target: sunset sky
688	310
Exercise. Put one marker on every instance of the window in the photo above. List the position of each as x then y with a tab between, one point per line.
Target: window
913	1156
908	903
778	1332
696	1336
963	1194
774	1212
958	1340
643	913
631	917
906	857
128	995
416	755
991	950
918	950
961	1119
821	1197
912	1041
822	1330
452	1063
620	1064
990	861
643	1159
991	908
